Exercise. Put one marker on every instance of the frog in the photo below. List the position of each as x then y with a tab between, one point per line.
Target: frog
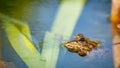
81	44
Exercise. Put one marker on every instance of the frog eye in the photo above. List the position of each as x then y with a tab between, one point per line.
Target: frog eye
82	39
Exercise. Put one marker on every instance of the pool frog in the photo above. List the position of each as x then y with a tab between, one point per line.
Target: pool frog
81	45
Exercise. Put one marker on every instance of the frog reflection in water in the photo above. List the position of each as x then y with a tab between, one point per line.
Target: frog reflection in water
81	45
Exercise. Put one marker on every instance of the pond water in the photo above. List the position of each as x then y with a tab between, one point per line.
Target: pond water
40	16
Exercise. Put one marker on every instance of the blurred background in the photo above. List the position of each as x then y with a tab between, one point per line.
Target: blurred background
54	21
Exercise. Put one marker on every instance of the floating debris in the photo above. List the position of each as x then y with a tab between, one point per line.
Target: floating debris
81	45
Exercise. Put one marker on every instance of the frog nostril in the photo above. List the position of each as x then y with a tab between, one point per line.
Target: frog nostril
68	45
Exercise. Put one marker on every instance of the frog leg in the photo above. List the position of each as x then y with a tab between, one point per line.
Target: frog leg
83	53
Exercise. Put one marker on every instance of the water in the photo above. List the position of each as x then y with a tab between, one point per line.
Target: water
40	14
